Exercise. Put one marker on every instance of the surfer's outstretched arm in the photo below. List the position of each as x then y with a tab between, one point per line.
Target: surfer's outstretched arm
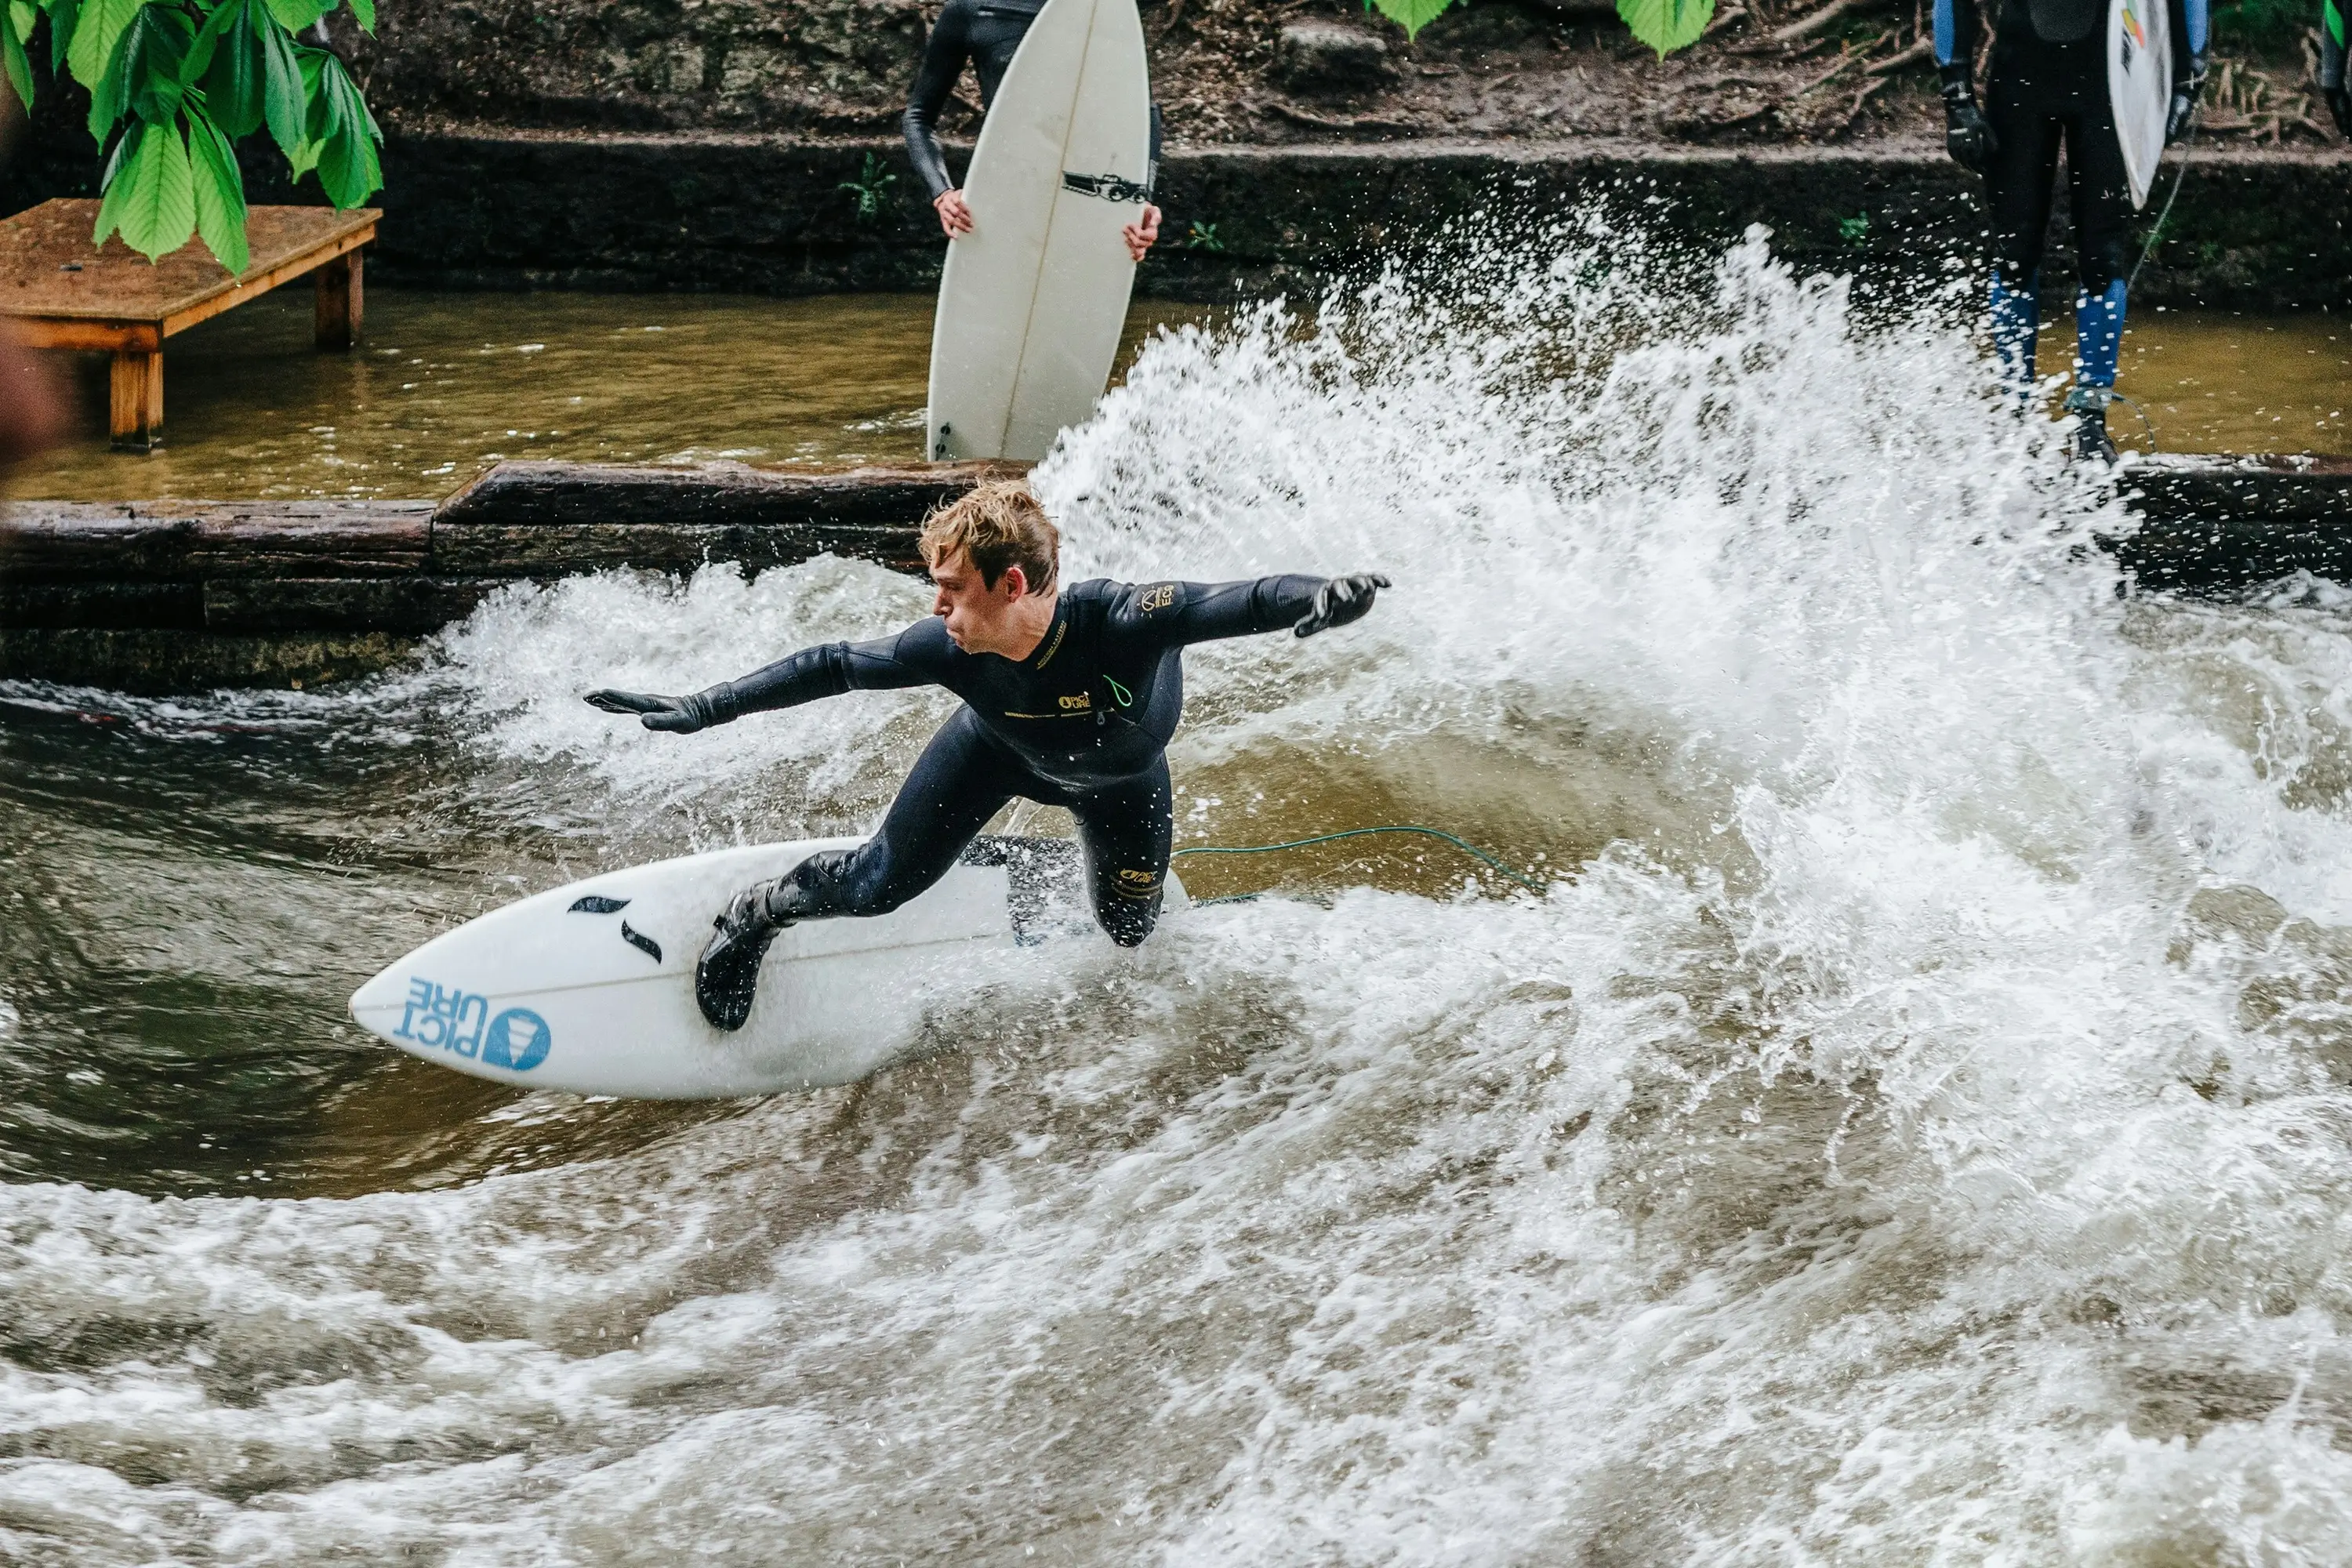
886	664
1174	615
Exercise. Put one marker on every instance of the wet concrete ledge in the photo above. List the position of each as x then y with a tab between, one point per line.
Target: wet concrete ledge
163	596
2251	229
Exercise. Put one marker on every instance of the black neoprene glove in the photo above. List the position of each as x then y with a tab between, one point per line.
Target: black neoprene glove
1968	134
2184	102
678	715
1339	601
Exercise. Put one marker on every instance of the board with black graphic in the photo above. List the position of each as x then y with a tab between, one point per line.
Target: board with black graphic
1033	299
589	988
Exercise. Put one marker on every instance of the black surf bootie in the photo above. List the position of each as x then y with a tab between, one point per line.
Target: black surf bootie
727	977
2088	404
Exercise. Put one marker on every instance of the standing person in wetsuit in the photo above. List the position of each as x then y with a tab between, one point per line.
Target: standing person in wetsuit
987	32
2333	27
1070	697
2047	81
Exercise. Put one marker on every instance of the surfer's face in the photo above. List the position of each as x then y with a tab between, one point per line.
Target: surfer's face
982	619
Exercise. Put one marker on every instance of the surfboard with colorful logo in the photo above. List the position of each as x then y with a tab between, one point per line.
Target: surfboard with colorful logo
1033	299
588	987
2139	86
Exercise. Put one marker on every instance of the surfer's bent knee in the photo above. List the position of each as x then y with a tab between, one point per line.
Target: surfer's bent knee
1127	902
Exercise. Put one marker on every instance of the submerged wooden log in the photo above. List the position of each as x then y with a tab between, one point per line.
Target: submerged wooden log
714	495
404	606
59	541
2219	524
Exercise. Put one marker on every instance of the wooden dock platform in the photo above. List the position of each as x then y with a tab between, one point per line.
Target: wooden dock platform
164	597
63	292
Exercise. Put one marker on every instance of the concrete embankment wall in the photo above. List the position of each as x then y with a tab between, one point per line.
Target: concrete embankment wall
501	207
2252	231
178	596
774	215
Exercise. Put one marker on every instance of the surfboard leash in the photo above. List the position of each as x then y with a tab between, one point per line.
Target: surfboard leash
1521	877
2179	178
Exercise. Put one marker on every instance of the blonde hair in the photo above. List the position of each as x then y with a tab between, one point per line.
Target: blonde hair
999	525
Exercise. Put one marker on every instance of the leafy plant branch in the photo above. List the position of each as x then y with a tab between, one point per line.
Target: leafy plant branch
175	85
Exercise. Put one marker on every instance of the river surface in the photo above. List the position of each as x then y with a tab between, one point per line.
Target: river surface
1912	1126
448	384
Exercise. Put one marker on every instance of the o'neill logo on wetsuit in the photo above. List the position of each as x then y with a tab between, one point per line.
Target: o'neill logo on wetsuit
1109	187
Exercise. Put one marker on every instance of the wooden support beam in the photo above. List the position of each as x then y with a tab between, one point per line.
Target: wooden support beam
341	301
135	399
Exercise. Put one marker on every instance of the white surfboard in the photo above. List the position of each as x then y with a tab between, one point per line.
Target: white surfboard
2139	86
1034	297
589	988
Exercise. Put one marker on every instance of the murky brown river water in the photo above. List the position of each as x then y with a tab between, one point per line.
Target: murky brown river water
445	385
448	384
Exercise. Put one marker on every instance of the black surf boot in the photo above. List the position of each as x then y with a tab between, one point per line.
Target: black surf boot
2088	404
727	977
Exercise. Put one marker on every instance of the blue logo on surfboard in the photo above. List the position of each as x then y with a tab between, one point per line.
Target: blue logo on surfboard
460	1022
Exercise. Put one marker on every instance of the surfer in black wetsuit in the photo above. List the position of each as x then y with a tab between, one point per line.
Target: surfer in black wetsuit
2047	83
1070	697
987	32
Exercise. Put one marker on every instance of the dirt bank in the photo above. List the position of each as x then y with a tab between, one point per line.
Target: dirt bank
1263	72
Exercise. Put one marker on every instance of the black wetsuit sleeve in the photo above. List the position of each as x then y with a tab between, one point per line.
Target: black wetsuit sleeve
1173	615
828	671
944	54
1151	169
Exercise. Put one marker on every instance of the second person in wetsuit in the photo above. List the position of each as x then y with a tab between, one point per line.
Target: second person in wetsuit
986	34
1070	697
2046	84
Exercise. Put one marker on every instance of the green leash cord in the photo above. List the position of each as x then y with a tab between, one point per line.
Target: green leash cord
1529	883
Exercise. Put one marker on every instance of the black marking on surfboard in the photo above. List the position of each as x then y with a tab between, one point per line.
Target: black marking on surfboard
1109	187
597	904
640	941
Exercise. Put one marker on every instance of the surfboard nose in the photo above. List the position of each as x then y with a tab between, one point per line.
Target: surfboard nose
375	1006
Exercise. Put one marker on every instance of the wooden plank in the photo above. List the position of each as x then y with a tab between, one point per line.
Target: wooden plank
135	400
49	268
562	550
2212	524
102	606
534	494
402	605
190	541
36	333
249	285
341	301
144	659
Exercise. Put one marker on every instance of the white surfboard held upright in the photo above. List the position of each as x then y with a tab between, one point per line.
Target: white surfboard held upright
1033	300
589	988
2139	85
